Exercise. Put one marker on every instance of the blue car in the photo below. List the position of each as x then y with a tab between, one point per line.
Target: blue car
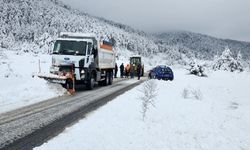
161	73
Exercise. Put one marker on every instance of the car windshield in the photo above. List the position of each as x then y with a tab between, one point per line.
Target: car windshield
70	47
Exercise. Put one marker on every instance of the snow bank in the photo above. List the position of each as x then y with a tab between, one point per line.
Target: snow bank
220	120
19	85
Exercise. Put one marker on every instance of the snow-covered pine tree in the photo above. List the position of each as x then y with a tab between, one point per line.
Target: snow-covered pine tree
227	62
239	61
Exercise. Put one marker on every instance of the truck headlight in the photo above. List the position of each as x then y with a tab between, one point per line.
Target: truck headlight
82	76
82	72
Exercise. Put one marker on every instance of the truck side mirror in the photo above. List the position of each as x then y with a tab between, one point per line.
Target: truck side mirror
94	51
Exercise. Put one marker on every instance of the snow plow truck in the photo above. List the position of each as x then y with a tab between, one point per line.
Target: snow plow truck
79	58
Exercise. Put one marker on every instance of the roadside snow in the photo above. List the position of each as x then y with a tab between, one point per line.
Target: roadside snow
219	119
19	85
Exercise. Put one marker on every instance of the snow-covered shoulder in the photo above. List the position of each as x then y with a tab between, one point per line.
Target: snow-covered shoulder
19	85
190	112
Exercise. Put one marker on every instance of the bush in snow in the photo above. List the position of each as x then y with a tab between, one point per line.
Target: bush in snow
196	69
9	72
228	63
191	93
149	92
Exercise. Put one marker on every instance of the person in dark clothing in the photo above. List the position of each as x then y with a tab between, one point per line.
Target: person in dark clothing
150	74
132	70
122	70
116	70
139	71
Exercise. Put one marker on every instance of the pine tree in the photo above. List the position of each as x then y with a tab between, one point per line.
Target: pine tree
239	61
227	62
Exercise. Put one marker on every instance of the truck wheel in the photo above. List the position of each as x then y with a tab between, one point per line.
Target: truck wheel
106	80
90	84
110	78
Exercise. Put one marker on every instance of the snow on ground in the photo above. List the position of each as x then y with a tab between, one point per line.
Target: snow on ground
190	113
19	87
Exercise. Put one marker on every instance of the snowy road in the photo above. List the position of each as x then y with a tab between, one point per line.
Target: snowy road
21	129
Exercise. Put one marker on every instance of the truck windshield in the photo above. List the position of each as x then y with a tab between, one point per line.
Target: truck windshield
70	47
135	60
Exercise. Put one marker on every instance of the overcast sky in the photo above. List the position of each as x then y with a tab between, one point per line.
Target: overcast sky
219	18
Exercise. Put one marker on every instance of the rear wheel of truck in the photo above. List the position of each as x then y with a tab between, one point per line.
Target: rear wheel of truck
110	78
106	79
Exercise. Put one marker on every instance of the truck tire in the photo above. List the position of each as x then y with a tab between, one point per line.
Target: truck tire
91	83
105	82
110	78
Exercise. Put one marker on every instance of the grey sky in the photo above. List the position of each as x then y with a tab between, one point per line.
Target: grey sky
219	18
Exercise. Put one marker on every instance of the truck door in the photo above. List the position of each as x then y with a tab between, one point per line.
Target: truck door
89	56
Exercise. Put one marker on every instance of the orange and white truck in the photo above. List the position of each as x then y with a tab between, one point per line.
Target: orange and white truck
79	58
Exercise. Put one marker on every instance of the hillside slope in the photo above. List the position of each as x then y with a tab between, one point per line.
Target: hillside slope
37	23
199	45
33	25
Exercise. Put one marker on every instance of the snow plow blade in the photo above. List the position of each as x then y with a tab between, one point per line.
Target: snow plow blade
53	78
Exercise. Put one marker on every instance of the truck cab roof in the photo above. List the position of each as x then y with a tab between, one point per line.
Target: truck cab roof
76	35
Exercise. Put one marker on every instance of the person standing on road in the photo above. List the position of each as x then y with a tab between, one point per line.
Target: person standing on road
127	70
150	74
122	70
116	70
139	71
132	70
